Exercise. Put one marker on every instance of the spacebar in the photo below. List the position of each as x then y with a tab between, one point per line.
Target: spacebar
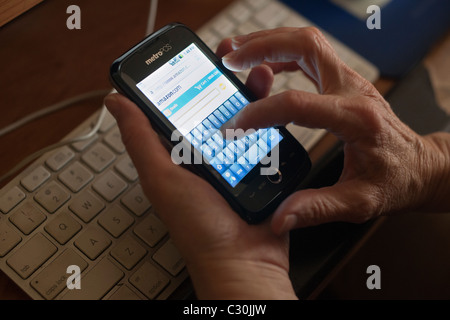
97	282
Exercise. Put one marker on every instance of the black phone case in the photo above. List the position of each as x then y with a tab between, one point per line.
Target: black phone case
246	206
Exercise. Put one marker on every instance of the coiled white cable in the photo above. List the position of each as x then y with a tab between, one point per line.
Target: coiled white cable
61	105
46	111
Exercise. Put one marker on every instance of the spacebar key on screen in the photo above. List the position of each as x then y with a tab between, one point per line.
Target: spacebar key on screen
97	282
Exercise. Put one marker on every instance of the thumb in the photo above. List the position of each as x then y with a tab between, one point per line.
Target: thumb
342	202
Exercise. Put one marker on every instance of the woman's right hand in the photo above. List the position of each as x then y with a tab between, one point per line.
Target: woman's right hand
388	167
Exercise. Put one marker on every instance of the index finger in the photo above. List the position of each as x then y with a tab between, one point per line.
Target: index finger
305	46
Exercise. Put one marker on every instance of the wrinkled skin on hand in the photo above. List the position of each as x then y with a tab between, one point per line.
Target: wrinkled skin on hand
387	166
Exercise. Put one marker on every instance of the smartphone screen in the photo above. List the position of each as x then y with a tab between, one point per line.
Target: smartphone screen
197	98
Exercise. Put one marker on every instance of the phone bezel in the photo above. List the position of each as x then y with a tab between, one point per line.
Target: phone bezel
178	36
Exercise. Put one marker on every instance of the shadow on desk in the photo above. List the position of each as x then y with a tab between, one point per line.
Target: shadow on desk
411	250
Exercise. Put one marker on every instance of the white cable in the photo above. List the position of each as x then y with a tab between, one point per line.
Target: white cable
42	151
152	17
61	105
50	109
58	106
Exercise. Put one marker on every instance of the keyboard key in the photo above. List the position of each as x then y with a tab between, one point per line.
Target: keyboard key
208	125
264	147
236	103
243	162
241	145
76	176
98	157
127	169
114	140
53	279
115	220
220	116
236	150
223	26
271	15
108	122
149	280
109	186
220	167
97	282
52	196
238	171
128	252
229	152
230	178
248	27
247	142
8	239
31	255
197	134
209	37
136	201
218	138
83	144
230	107
225	112
169	258
63	227
214	146
273	138
241	99
254	154
253	137
195	143
207	152
92	242
223	159
216	122
205	133
60	158
151	230
27	218
239	12
124	293
86	206
257	4
11	199
34	179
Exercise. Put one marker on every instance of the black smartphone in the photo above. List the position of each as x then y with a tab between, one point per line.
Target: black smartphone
187	94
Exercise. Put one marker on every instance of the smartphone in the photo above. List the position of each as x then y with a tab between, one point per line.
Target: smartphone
187	94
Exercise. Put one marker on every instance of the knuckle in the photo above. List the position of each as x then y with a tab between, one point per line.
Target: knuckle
369	113
312	32
314	37
290	98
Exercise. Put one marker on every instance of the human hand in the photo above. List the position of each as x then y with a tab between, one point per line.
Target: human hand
387	166
226	257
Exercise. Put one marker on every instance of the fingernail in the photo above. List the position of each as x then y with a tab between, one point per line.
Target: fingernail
229	56
237	41
289	223
228	60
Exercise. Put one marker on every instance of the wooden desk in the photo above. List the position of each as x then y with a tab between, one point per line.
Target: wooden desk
43	63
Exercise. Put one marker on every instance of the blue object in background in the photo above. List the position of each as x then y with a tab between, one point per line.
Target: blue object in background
408	29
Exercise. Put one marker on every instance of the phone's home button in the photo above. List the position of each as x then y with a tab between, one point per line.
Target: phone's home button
276	177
